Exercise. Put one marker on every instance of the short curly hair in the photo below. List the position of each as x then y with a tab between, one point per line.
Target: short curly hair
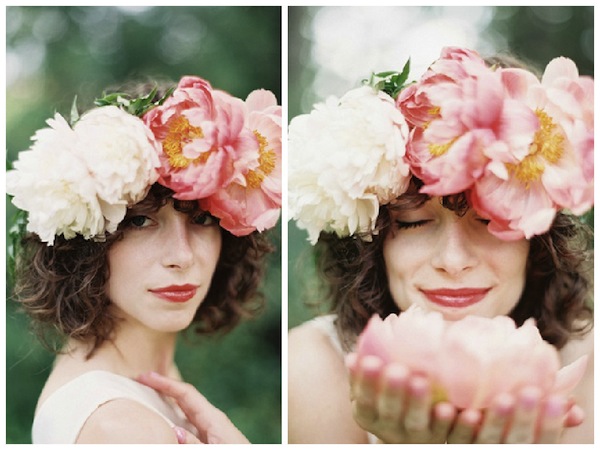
63	287
557	291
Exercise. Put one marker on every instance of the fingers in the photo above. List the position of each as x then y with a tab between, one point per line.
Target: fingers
496	420
465	427
553	418
526	414
365	390
574	417
390	404
418	410
212	424
395	405
185	437
443	416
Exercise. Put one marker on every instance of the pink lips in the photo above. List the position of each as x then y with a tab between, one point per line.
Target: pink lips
455	298
176	293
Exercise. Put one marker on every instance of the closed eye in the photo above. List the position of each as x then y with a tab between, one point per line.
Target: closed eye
407	225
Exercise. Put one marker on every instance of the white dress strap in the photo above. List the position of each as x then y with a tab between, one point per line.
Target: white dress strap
326	325
62	415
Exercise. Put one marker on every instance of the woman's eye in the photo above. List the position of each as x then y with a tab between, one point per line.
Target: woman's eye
140	221
407	225
483	221
204	219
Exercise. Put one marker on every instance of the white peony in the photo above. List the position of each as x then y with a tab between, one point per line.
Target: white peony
120	152
81	180
346	158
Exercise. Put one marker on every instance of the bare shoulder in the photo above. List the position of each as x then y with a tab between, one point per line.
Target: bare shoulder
143	426
577	347
319	408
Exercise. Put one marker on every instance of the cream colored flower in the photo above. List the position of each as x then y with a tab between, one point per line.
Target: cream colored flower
80	181
346	158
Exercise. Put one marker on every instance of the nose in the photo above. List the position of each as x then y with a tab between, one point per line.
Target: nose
177	250
455	249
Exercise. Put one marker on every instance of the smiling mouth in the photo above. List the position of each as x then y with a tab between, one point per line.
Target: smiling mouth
176	293
455	298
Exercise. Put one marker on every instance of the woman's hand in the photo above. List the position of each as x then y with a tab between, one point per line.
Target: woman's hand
527	418
399	407
213	426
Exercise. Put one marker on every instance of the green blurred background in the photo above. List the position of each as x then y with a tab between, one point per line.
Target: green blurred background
55	53
331	49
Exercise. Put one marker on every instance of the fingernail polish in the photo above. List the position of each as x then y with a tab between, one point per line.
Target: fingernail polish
180	433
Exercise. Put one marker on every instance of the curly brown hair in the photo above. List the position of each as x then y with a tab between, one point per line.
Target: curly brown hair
557	291
63	287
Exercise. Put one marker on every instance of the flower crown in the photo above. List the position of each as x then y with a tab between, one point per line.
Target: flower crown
520	148
203	143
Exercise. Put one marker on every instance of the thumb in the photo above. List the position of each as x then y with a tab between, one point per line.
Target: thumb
185	437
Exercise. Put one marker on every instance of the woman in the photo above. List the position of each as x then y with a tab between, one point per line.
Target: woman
448	194
144	219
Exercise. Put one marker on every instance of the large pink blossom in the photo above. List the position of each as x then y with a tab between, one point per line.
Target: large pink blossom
203	138
521	191
472	360
252	200
461	116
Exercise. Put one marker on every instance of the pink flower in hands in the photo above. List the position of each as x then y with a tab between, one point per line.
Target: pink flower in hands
472	360
413	339
252	200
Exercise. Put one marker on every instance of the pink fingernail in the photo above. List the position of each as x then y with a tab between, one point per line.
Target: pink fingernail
180	433
555	407
419	386
530	398
371	365
504	404
470	417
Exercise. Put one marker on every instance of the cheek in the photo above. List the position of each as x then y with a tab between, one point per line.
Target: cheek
124	264
208	247
512	265
401	257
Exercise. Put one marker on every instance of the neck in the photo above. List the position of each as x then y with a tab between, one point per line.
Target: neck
135	350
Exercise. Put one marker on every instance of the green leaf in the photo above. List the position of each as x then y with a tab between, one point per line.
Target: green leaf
391	82
135	106
74	112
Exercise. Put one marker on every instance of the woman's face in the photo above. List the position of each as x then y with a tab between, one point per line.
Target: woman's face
452	264
161	269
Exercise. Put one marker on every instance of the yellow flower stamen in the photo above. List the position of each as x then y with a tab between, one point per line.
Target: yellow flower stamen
547	147
267	160
441	149
179	133
433	111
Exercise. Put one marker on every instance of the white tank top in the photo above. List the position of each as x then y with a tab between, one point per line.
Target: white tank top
62	415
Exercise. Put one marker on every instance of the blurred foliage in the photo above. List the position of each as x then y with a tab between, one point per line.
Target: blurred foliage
56	53
534	34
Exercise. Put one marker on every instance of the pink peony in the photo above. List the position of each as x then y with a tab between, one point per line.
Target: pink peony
472	360
202	134
252	199
521	191
461	116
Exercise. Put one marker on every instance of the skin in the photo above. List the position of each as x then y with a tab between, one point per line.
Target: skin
395	405
212	425
448	251
158	249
